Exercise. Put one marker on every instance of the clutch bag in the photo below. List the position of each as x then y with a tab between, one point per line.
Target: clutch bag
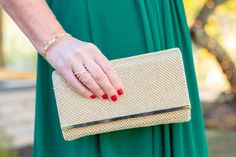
155	92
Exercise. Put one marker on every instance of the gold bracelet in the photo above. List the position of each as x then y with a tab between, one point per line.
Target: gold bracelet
51	42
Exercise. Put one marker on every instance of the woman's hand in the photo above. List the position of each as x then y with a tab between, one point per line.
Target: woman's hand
70	55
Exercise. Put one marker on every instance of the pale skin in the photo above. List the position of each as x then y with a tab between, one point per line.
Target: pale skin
68	54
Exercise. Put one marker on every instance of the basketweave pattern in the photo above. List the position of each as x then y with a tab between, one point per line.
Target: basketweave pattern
156	76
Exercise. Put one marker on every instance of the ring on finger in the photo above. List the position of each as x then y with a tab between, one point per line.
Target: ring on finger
80	73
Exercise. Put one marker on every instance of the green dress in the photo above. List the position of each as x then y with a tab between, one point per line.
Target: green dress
121	28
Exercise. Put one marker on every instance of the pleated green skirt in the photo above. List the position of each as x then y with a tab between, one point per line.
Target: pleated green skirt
121	28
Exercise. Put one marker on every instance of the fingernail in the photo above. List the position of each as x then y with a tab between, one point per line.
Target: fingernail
120	91
93	96
113	97
104	96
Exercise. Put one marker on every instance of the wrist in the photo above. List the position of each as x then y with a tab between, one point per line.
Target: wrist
40	43
51	43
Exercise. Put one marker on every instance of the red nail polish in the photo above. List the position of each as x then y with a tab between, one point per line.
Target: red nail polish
120	91
113	97
93	96
104	96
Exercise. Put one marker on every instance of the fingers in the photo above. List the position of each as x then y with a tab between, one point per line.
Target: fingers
88	80
77	85
101	78
111	73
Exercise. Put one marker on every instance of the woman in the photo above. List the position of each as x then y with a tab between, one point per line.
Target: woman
103	30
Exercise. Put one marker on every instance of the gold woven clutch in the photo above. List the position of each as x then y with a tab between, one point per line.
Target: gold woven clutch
155	93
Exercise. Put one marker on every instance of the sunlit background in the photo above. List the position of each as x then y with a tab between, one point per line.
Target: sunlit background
212	24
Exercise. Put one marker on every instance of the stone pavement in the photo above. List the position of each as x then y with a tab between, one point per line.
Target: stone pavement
17	115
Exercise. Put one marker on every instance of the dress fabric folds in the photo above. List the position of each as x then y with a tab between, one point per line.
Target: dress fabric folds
121	28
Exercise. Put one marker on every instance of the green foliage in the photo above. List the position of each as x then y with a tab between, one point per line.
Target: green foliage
5	146
220	26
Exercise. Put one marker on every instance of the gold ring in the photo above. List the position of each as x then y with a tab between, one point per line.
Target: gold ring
79	74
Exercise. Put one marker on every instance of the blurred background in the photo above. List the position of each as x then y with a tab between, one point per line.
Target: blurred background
212	24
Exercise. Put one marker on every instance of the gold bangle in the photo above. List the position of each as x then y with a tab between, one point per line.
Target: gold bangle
51	42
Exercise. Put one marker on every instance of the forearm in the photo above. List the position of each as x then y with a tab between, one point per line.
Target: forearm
34	18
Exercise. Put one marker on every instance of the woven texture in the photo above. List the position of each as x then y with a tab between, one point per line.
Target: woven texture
152	81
